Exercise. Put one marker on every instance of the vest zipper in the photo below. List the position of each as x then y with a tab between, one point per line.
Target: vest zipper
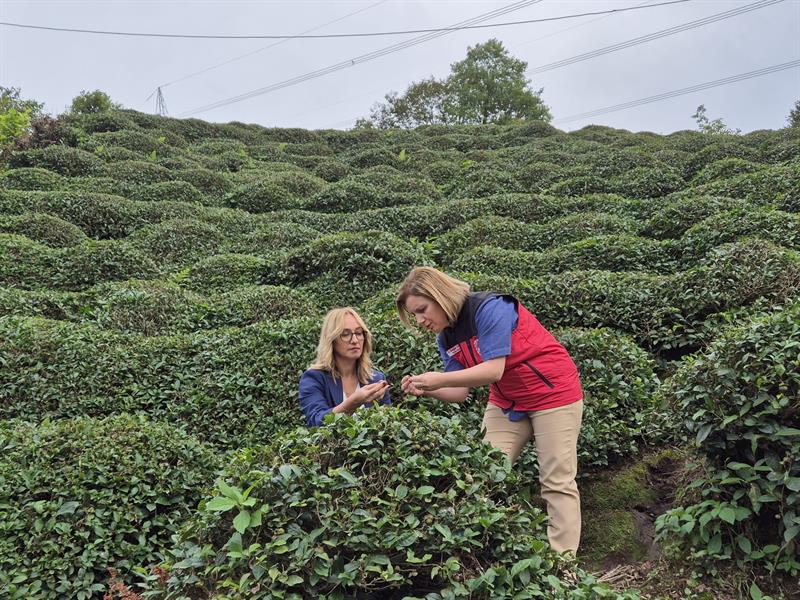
538	374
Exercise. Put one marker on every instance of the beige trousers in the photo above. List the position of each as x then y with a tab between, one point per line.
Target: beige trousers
555	432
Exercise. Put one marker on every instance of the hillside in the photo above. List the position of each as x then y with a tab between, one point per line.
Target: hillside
162	285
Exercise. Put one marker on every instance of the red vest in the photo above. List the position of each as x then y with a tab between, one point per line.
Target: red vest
539	373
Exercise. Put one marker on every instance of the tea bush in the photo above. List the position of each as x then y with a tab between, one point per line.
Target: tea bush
246	305
608	253
405	506
138	172
23	262
137	140
225	271
229	387
269	237
172	191
332	170
204	180
673	219
739	403
79	495
63	160
261	196
723	169
486	231
44	228
346	268
31	179
93	262
645	182
178	241
144	307
778	185
764	223
106	121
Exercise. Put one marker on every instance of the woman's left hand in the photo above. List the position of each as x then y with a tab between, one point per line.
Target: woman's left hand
428	382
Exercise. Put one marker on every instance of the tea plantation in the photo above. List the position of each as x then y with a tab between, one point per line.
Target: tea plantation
162	285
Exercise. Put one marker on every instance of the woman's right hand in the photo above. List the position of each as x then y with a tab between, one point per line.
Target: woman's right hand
409	388
371	392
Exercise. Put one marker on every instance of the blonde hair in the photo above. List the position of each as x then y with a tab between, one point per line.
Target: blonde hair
448	292
332	327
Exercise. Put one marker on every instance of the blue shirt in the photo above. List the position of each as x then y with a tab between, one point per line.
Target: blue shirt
319	393
496	319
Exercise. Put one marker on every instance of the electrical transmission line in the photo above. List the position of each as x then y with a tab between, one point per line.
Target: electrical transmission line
687	90
653	36
335	35
359	59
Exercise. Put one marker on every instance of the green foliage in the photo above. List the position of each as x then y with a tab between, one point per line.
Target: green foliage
178	241
79	495
269	237
673	219
44	228
87	103
31	179
11	98
489	86
794	115
346	268
138	172
170	191
13	125
90	263
394	513
246	305
740	404
708	126
608	253
423	103
225	271
60	159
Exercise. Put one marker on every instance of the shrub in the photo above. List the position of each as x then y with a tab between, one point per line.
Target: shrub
643	182
204	180
172	191
373	189
246	305
137	140
477	180
77	496
229	387
144	307
581	185
23	262
442	172
31	178
138	172
39	303
673	219
105	122
332	170
396	514
225	271
346	268
269	237
44	228
261	196
764	223
739	403
178	241
723	169
485	231
91	263
608	253
721	146
60	159
778	185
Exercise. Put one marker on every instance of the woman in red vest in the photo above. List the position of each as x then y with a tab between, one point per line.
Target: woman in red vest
534	394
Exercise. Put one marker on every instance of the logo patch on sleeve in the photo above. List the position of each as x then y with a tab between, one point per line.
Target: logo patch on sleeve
453	351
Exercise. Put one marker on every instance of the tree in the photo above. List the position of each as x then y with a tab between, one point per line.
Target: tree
16	115
715	127
422	104
794	115
11	98
489	86
92	102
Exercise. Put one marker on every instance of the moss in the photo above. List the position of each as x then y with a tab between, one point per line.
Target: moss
611	536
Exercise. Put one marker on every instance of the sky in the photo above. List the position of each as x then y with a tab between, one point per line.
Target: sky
53	66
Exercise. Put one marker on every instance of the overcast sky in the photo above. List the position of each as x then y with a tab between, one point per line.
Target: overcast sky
53	67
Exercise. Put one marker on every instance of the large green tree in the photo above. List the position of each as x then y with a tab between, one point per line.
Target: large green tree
794	115
488	86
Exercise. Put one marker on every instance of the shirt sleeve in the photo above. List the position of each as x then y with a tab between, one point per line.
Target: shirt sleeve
496	319
312	399
450	363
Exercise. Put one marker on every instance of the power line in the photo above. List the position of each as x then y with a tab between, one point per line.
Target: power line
359	59
687	90
283	41
337	35
654	36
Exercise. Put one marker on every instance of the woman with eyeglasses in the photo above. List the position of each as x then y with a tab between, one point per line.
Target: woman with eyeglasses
341	378
535	393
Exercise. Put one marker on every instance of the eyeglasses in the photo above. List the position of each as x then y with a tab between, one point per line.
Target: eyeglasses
347	335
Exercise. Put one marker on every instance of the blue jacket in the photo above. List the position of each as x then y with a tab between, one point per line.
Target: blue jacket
319	393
